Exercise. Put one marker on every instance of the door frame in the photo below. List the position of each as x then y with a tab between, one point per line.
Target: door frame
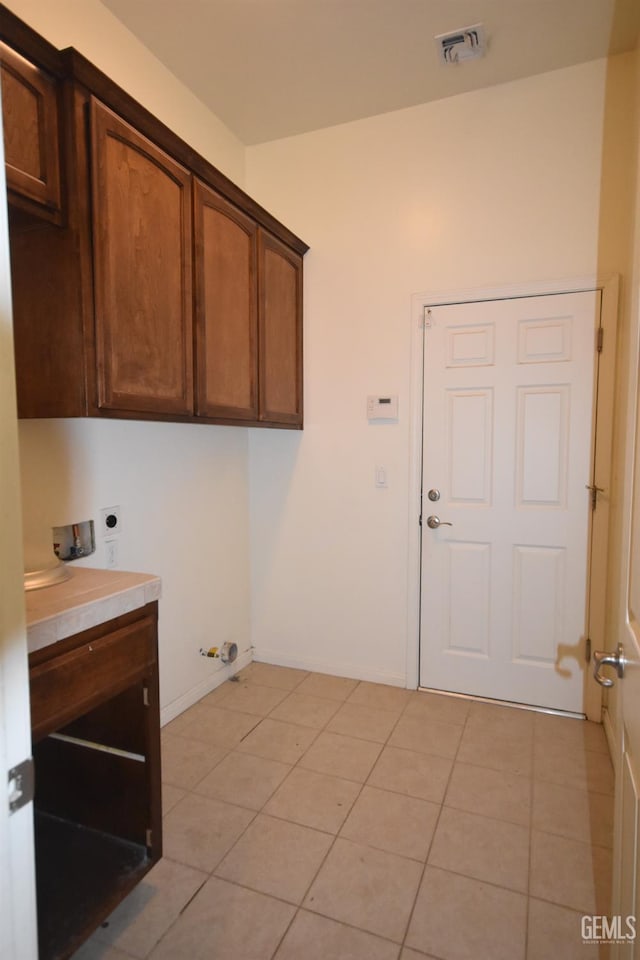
603	413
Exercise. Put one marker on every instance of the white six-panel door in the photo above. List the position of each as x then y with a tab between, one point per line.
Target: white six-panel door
507	445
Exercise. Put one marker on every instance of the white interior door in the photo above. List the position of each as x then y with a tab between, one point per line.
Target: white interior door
18	940
507	451
626	886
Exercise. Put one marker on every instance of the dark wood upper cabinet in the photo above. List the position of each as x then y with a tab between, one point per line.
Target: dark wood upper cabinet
280	325
164	292
226	309
142	270
31	138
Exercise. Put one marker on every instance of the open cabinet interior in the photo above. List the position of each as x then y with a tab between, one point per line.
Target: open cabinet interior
97	795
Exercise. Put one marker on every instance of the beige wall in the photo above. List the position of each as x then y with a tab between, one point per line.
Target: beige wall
92	29
497	187
183	489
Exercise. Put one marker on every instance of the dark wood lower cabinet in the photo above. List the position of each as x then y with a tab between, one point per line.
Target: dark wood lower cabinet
96	748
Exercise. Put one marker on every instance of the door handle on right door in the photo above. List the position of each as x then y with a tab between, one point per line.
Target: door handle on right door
616	660
434	522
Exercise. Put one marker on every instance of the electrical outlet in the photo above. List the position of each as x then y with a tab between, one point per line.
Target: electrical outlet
111	519
111	553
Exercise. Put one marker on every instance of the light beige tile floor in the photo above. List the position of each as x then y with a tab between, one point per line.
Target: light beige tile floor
317	818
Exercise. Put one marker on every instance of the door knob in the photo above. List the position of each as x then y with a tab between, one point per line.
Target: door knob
434	522
603	659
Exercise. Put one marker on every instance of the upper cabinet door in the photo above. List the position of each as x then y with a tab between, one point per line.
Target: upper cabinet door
226	308
31	142
142	271
280	326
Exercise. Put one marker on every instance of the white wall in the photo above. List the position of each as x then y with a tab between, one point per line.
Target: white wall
183	494
182	488
495	187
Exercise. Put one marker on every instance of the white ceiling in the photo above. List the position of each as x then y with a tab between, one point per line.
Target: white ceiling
273	68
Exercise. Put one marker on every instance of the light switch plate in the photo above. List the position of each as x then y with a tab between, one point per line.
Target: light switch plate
111	552
381	477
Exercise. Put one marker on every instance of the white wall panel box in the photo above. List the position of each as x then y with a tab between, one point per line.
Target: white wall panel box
382	408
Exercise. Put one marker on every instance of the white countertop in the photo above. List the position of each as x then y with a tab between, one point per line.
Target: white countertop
89	597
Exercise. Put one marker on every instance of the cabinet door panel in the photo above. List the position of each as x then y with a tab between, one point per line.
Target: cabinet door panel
280	324
67	686
226	308
142	271
30	119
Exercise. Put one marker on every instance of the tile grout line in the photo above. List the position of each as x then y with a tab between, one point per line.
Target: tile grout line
529	851
563	836
363	784
307	890
442	806
211	874
336	836
370	846
259	811
433	836
366	782
173	922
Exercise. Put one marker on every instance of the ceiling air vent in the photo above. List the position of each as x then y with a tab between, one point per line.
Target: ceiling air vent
465	44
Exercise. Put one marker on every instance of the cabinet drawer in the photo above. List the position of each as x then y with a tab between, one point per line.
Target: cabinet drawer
68	685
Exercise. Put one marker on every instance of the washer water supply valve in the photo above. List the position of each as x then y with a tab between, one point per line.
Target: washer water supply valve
227	652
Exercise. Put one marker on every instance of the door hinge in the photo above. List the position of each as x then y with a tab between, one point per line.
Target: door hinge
145	696
149	837
594	491
587	649
600	339
21	785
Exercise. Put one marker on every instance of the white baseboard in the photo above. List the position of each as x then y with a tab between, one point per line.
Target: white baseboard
353	671
178	706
